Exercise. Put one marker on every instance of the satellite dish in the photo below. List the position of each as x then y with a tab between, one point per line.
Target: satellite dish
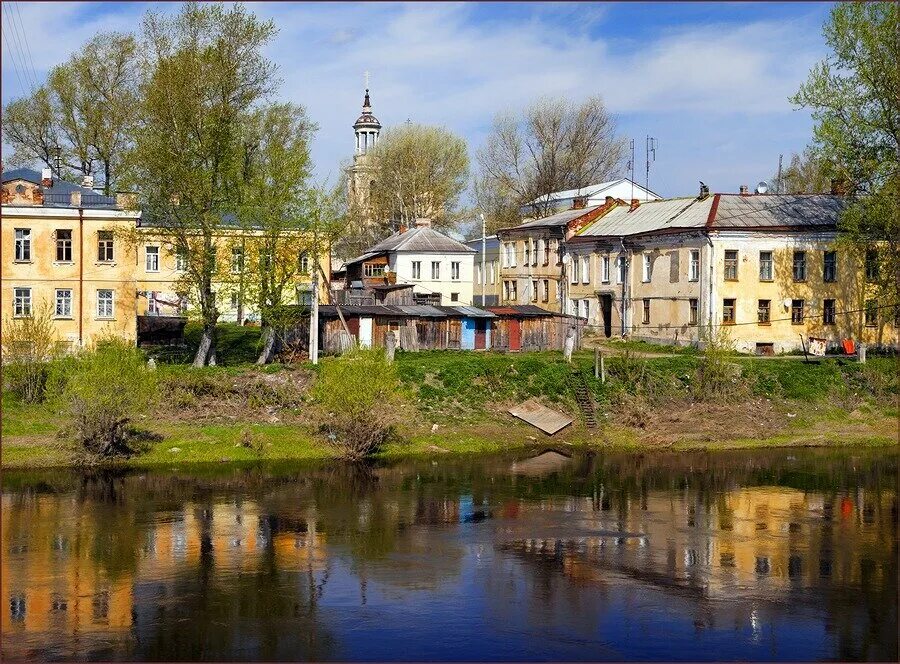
566	259
762	187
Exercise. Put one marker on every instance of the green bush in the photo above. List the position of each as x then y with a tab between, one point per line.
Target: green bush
360	401
29	346
102	391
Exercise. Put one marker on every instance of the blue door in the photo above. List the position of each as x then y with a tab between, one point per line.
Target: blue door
468	334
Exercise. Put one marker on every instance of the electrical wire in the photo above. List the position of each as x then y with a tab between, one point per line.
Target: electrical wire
25	40
12	56
20	51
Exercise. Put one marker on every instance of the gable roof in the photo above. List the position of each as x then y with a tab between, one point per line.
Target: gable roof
590	190
762	211
560	219
58	194
651	216
421	239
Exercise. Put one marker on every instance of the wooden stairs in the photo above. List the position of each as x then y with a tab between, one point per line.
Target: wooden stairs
585	400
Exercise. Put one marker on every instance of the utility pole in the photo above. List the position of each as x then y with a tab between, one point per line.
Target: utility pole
651	150
483	253
631	168
314	300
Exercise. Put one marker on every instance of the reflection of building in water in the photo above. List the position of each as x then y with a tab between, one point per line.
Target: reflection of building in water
49	579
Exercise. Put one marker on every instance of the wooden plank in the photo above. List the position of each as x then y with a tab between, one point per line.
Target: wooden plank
547	420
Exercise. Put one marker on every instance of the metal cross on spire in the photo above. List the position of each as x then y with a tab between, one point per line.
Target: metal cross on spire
366	75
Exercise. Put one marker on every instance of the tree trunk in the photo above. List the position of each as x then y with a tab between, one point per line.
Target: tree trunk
265	355
203	349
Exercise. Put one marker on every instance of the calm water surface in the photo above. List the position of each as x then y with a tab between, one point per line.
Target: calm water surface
768	555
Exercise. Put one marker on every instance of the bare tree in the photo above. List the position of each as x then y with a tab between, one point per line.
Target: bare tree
808	173
553	145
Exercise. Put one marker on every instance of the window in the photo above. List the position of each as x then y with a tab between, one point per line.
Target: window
796	312
694	266
237	260
509	254
510	289
828	312
493	272
63	303
871	264
234	300
622	266
181	260
829	268
417	269
23	244
646	319
546	294
586	270
728	311
543	250
64	245
799	266
454	270
21	302
604	269
152	259
105	303
303	263
304	296
373	270
104	246
454	297
515	289
694	317
534	251
766	269
526	251
731	265
584	308
152	305
534	290
648	268
576	266
871	313
763	312
435	270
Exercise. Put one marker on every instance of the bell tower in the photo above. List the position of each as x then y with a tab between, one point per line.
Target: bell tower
365	130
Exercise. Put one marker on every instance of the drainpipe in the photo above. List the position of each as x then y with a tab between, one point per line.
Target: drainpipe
624	260
709	284
80	276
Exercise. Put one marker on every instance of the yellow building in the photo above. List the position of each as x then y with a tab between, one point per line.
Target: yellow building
71	249
766	267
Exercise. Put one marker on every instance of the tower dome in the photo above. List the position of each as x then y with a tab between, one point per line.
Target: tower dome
366	127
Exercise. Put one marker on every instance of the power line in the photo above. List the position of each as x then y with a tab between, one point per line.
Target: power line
16	67
25	40
21	51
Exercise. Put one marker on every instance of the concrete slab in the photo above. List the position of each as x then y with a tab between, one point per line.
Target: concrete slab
547	420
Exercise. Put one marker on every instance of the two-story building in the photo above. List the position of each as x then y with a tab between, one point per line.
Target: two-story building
439	268
487	271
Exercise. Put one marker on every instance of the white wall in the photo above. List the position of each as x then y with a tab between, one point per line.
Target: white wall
401	265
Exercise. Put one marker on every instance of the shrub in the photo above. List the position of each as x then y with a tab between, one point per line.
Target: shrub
102	390
360	401
717	377
29	345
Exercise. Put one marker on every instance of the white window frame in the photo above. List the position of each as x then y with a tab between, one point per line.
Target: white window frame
65	300
151	250
23	245
621	269
102	312
604	269
454	270
585	269
648	268
237	260
771	263
303	263
417	270
584	308
542	251
22	302
435	270
575	267
694	266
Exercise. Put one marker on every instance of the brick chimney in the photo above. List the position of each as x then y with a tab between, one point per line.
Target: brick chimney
46	177
423	222
838	187
75	199
635	204
745	190
579	202
402	229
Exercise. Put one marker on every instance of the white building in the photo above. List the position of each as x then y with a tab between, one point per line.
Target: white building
594	194
440	268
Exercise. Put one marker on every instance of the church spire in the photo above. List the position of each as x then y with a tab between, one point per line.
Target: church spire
367	126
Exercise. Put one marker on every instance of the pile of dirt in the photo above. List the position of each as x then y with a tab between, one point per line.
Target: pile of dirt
694	421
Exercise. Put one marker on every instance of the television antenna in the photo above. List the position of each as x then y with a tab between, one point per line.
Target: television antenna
630	167
652	144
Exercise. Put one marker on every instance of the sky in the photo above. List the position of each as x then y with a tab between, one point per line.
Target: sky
709	81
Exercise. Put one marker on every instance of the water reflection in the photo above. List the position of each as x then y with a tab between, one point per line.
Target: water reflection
762	555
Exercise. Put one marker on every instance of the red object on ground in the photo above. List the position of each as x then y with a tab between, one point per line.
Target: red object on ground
846	507
849	346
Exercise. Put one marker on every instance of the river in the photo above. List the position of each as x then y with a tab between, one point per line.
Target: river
752	555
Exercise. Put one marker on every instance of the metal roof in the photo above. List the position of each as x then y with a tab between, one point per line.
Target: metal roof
524	310
651	216
558	219
58	194
467	311
420	239
779	211
589	190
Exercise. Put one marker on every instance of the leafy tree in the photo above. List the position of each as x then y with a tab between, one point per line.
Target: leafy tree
854	96
553	145
206	77
87	108
807	173
419	171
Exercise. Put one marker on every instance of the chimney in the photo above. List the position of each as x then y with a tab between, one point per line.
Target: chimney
838	187
46	177
423	222
745	190
579	202
635	204
75	199
704	191
403	229
87	181
609	201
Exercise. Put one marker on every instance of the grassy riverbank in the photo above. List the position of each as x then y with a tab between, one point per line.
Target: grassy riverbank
459	403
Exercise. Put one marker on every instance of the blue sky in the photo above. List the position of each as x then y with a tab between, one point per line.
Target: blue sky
709	81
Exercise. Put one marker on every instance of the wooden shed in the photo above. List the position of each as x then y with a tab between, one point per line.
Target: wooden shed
529	327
